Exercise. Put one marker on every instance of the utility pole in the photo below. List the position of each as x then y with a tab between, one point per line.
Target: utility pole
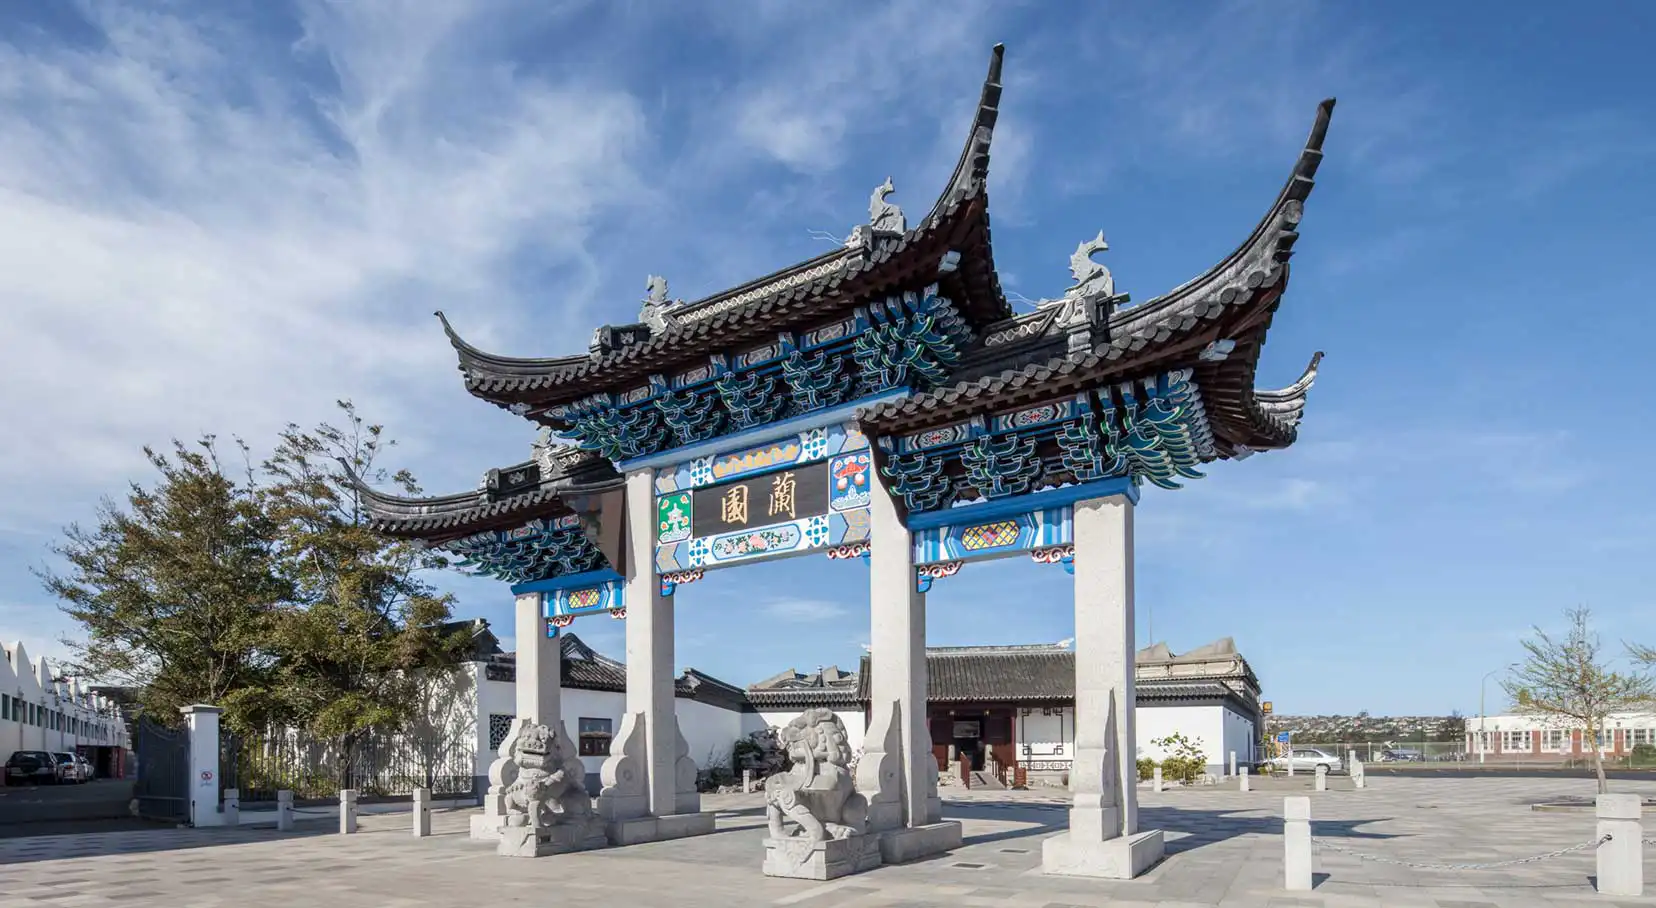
1483	736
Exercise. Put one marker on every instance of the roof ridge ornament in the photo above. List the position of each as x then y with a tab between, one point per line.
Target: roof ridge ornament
654	312
1091	278
883	216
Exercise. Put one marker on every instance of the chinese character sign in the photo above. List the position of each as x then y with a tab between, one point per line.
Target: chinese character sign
773	498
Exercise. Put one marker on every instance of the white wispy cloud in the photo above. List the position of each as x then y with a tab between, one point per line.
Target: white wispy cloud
804	611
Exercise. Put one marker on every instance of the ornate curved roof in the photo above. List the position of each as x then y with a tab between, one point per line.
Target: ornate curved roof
507	497
873	261
1215	323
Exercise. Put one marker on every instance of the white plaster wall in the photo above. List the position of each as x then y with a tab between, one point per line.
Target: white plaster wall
1240	738
1203	725
1044	737
710	731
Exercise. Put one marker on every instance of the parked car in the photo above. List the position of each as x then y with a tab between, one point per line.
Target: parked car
87	772
1306	759
31	767
68	768
1402	756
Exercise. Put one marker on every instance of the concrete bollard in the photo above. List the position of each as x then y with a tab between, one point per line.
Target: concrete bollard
1296	844
1242	779
1620	860
231	807
347	811
747	781
1357	778
1233	762
1322	779
284	811
422	812
1156	779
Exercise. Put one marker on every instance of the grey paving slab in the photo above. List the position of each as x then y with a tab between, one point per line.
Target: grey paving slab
1225	849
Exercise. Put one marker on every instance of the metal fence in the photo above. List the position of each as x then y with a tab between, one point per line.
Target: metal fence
378	766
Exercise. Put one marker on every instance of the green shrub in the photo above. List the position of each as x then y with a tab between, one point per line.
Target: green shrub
1147	769
1185	761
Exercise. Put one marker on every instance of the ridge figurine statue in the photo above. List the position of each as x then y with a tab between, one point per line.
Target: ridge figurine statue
546	807
816	797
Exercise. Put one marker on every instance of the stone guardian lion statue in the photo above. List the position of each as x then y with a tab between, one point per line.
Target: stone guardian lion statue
816	794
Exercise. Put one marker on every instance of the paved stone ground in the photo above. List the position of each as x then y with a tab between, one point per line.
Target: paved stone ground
1225	850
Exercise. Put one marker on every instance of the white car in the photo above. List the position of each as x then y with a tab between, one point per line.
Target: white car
1306	759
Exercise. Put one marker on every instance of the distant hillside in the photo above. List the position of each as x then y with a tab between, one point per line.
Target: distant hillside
1363	728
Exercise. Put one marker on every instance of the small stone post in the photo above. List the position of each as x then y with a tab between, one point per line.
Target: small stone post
1620	860
284	811
1322	778
1296	844
231	807
347	811
422	812
747	781
1233	762
1242	779
1156	779
1357	770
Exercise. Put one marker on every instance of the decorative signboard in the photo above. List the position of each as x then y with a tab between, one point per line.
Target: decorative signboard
996	537
793	495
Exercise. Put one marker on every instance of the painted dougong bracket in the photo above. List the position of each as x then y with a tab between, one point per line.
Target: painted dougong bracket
1058	554
926	574
671	580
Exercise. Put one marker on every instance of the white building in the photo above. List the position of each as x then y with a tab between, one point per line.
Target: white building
1542	739
1016	704
712	715
40	711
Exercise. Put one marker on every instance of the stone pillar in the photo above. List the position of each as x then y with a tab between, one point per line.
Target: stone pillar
422	812
1233	762
284	811
897	772
649	779
1296	844
203	724
1620	860
539	687
1321	783
231	810
1156	780
347	811
1242	779
538	692
1103	838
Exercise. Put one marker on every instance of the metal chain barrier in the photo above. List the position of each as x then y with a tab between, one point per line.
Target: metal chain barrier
1426	865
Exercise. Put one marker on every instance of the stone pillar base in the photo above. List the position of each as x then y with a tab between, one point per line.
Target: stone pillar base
486	828
540	841
1120	858
638	830
899	846
802	859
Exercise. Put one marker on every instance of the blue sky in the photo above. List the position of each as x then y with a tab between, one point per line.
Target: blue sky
223	216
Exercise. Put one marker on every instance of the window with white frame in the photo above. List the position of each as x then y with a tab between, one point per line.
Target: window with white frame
1555	740
1515	742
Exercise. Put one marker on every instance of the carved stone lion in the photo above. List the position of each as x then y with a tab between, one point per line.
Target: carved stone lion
816	794
550	788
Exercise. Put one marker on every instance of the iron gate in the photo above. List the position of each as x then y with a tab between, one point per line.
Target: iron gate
163	786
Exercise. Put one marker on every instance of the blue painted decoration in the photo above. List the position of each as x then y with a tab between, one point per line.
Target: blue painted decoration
994	536
534	551
562	606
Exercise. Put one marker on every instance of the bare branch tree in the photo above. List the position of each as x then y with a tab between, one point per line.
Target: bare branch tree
1569	681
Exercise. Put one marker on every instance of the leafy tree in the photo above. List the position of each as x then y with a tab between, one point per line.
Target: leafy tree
1570	680
361	625
176	590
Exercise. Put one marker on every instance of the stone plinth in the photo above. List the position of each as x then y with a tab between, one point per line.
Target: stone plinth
911	843
638	830
1120	858
802	859
539	841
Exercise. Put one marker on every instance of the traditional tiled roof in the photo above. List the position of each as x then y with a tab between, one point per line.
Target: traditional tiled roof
795	690
1214	323
508	496
1046	673
584	668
